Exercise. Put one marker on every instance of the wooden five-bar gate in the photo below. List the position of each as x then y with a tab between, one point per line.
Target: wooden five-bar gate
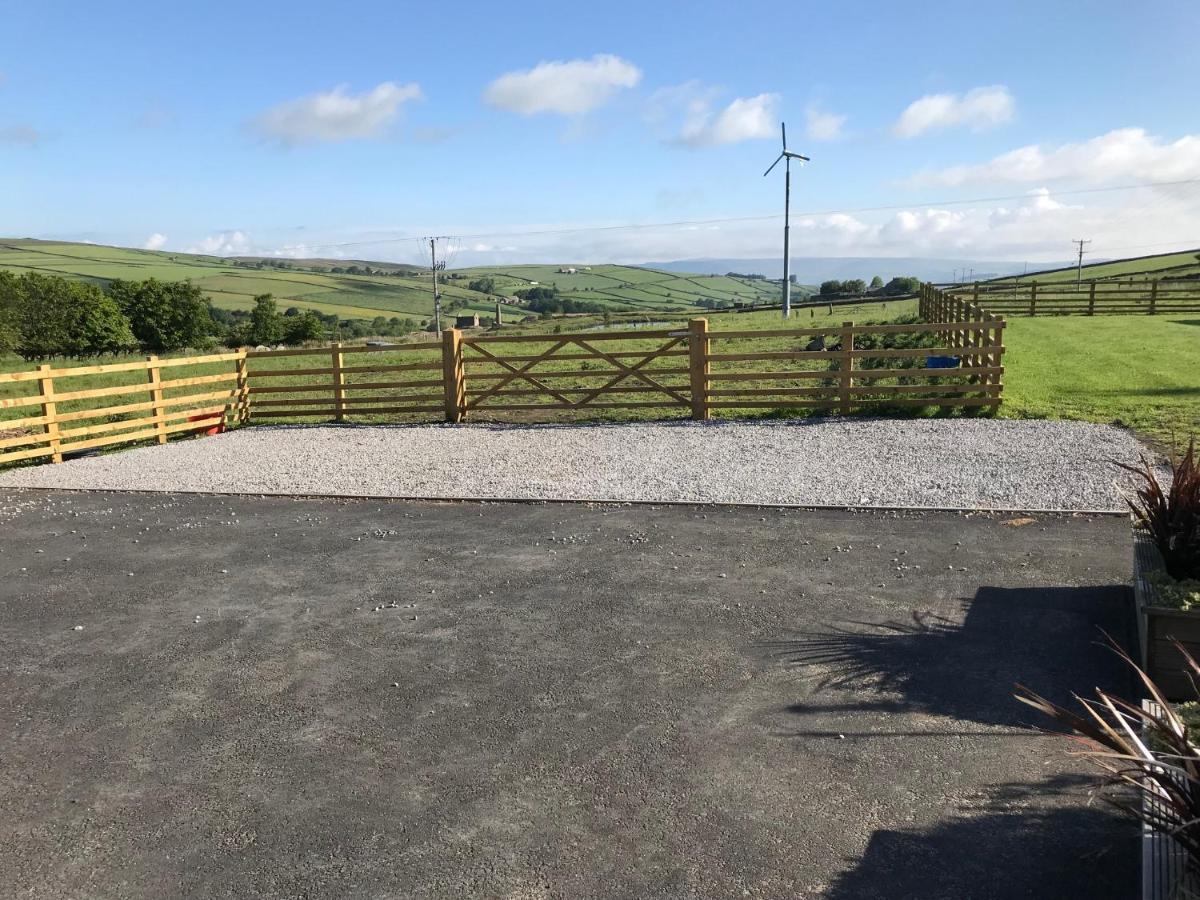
952	360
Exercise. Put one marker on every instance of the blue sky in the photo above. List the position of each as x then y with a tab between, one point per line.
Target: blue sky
311	129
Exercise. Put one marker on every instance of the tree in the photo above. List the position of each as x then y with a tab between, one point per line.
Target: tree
303	328
831	287
485	285
854	286
266	326
902	285
876	283
164	315
11	298
69	318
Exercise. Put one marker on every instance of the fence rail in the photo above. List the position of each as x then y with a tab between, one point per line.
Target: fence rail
171	405
951	360
1088	298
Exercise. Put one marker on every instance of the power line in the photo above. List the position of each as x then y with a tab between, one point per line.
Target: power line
760	218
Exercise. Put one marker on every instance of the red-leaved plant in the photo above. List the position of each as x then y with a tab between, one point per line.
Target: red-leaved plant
1150	750
1171	516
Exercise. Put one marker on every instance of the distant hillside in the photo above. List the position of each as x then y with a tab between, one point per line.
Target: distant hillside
330	263
365	289
815	269
1180	264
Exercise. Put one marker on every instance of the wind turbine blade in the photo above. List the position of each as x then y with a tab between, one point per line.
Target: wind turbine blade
773	165
783	130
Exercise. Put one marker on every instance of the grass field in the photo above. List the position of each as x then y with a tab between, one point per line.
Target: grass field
1139	371
620	288
1185	264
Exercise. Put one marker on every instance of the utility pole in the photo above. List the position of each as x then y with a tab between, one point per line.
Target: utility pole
1079	267
437	298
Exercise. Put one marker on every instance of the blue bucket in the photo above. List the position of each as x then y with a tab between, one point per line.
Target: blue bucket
941	362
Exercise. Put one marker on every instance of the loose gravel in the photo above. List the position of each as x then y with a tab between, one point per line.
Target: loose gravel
972	464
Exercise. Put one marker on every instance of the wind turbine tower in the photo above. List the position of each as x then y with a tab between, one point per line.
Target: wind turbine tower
787	156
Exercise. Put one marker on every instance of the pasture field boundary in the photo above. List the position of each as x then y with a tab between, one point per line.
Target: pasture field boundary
953	360
1150	297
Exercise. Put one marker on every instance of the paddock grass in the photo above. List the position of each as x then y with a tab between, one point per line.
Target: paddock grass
1139	371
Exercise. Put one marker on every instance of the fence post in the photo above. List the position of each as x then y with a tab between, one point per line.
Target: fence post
846	369
997	360
453	378
975	294
698	366
1033	298
243	370
154	379
50	413
339	384
1153	295
1092	299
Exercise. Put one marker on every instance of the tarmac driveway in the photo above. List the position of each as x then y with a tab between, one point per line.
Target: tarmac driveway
224	697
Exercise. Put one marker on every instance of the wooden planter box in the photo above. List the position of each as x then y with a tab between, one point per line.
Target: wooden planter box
1164	864
1158	625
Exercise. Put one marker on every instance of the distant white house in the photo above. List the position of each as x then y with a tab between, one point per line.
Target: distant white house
567	271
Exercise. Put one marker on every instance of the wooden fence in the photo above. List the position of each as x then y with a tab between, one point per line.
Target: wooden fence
337	382
1088	298
952	362
185	394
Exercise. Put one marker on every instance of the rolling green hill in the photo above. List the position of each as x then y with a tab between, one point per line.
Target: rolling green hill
391	289
1184	264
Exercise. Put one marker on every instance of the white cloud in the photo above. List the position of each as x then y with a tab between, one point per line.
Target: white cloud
569	88
979	108
1123	154
24	135
156	241
226	243
746	118
823	126
336	115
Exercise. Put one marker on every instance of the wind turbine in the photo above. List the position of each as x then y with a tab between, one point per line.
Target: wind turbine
787	156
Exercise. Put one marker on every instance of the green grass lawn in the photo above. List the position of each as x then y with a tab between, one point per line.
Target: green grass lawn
1139	371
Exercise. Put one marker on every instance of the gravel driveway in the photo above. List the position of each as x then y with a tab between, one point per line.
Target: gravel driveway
976	464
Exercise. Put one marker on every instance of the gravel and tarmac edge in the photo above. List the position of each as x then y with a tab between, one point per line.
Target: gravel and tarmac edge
989	464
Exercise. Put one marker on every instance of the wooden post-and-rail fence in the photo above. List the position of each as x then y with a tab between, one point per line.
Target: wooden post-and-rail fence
1109	297
170	396
954	359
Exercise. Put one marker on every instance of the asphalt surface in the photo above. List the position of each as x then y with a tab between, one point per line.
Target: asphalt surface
202	697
